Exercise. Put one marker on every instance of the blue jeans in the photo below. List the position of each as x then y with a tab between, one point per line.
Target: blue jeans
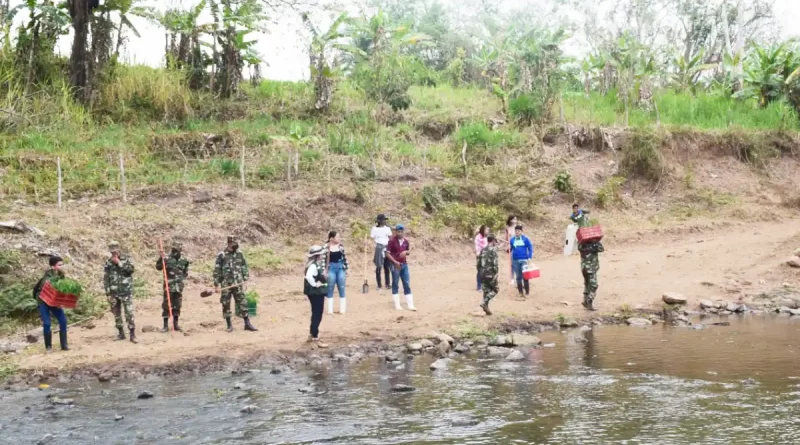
480	284
44	314
398	274
336	277
517	267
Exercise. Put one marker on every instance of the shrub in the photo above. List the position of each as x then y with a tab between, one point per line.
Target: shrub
465	219
610	193
252	297
525	109
16	301
482	143
641	156
563	182
226	167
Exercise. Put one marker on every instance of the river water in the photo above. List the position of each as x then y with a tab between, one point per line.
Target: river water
737	384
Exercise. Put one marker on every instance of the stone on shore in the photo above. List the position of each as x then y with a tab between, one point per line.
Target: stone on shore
444	338
673	298
794	262
634	321
794	312
707	304
33	335
145	395
515	356
732	307
496	351
442	349
426	344
501	340
249	409
461	349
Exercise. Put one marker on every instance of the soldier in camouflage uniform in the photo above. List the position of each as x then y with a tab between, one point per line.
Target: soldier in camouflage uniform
488	268
590	264
177	271
231	270
118	284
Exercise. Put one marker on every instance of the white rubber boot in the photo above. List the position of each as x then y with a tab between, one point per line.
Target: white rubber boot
410	302
396	299
330	305
342	305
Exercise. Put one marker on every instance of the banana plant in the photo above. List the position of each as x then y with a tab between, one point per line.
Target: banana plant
323	74
766	70
687	72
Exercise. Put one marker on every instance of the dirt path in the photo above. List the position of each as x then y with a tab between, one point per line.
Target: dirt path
726	264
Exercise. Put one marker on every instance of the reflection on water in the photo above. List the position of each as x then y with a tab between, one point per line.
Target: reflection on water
733	384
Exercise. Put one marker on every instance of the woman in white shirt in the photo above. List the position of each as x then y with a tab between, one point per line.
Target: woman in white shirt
316	289
381	233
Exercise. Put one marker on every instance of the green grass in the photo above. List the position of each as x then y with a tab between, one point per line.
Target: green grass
704	111
261	259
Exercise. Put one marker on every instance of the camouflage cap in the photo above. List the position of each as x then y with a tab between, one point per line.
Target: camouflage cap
177	245
113	245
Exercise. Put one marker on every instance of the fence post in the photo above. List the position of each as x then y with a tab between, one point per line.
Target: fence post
58	167
241	168
122	178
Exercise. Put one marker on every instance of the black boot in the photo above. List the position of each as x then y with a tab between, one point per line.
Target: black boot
519	289
175	323
48	341
230	326
527	288
133	336
62	336
166	325
121	335
248	326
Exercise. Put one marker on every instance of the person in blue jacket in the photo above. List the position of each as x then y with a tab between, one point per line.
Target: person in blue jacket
521	253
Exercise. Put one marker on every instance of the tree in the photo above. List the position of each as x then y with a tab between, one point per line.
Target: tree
79	61
322	73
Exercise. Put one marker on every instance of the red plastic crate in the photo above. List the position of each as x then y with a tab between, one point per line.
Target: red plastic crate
55	298
594	233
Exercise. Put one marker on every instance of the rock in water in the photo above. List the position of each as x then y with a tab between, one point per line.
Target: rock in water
403	388
238	385
707	304
525	340
794	262
464	422
426	344
275	371
439	364
638	322
515	356
118	417
414	347
47	438
145	395
462	349
446	339
495	351
60	401
442	349
673	298
500	340
105	377
795	312
249	409
733	307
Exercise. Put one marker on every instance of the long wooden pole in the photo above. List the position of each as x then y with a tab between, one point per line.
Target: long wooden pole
58	166
122	178
166	280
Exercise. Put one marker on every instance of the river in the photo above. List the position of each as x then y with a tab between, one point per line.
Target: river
737	384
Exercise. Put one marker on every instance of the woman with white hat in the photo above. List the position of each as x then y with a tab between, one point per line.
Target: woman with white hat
316	289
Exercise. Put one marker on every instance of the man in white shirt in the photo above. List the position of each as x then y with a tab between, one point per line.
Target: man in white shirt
381	233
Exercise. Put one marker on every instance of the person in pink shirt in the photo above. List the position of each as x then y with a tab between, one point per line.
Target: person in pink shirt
480	242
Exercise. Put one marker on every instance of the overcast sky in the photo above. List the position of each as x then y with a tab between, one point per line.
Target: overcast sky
283	49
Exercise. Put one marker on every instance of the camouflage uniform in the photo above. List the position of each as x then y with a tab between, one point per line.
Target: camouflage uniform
118	283
488	268
231	268
590	264
177	271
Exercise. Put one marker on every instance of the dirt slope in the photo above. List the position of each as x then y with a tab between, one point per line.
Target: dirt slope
729	262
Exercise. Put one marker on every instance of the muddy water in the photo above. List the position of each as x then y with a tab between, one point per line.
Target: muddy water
734	384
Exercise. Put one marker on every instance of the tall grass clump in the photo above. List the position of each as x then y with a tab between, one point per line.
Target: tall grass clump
141	94
525	109
483	143
641	155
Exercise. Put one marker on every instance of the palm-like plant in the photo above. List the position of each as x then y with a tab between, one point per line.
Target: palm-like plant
323	74
766	72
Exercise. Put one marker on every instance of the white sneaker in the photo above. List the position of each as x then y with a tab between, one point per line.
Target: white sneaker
410	302
396	299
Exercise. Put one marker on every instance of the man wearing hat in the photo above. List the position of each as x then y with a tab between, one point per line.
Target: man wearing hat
315	287
231	272
118	284
177	272
397	252
381	233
